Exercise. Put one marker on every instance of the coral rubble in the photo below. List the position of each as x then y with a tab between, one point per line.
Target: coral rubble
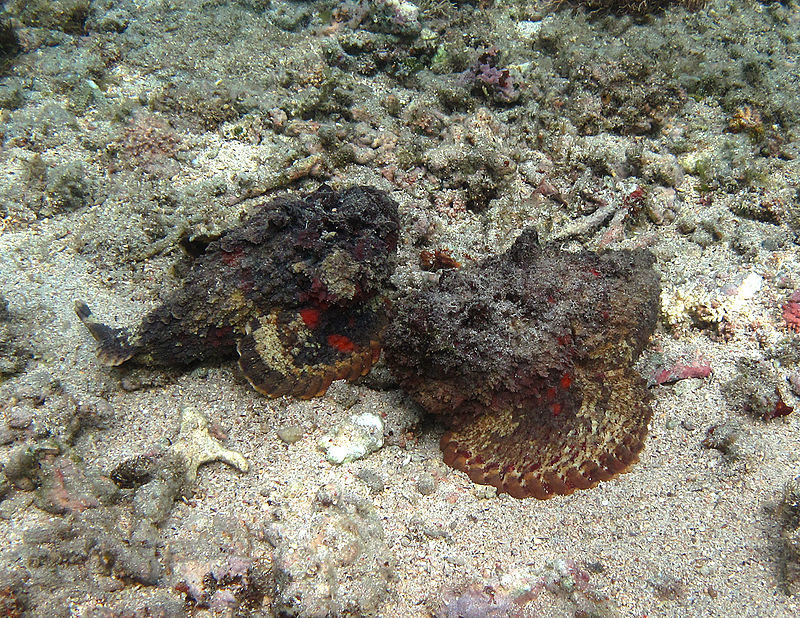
104	524
528	355
639	7
791	312
333	561
296	289
354	438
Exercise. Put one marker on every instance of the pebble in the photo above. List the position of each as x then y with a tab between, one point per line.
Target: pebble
372	479
794	380
426	484
20	417
290	433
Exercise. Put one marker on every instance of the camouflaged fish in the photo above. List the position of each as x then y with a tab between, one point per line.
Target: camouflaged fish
529	358
297	290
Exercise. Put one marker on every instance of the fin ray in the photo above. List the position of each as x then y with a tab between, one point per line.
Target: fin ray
112	343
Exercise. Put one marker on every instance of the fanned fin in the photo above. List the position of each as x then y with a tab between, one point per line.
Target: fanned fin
271	350
535	453
112	343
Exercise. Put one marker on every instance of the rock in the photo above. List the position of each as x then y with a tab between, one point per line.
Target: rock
355	438
426	484
372	479
290	433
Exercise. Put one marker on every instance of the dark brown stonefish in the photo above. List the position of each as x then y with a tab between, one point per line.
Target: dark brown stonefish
297	289
528	356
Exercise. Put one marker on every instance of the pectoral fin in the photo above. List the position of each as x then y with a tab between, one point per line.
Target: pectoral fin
284	354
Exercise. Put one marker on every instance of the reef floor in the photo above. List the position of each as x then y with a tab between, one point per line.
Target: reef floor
134	131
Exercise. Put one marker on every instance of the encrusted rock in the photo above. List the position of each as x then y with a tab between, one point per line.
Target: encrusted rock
334	562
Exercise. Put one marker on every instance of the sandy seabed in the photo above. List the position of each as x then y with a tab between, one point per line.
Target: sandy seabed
127	126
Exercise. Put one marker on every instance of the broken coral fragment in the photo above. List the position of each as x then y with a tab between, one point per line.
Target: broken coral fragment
297	289
705	304
160	475
528	357
354	438
197	446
